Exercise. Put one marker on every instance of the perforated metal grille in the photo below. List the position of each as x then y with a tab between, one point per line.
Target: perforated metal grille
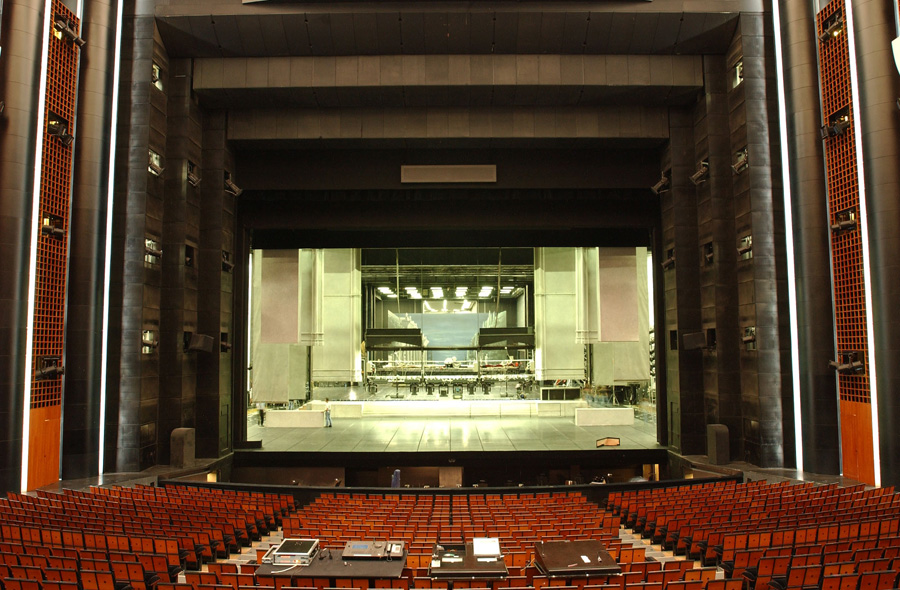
843	193
56	181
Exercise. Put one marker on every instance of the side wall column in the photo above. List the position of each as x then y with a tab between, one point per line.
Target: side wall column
818	392
19	75
81	403
879	88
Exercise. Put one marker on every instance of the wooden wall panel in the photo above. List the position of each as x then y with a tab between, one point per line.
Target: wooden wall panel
856	441
43	446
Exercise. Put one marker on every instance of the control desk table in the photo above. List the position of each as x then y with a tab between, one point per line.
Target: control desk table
574	558
458	562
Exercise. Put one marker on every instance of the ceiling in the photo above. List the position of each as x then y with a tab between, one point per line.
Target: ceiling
282	31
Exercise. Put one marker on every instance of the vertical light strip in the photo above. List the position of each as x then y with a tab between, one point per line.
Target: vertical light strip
789	236
864	226
249	321
110	195
35	224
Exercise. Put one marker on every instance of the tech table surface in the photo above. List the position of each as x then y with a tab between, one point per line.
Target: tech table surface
459	562
574	558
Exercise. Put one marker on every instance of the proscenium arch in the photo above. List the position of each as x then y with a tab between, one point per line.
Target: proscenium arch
443	218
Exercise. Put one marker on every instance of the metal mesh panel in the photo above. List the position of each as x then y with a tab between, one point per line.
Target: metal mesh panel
56	181
843	191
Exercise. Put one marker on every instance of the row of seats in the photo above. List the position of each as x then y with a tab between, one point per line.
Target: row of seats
775	536
518	520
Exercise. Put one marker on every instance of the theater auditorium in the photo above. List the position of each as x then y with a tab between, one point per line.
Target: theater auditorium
449	294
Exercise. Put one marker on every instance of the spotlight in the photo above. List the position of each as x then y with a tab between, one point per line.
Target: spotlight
701	174
230	187
153	251
745	248
741	161
49	369
844	225
662	186
58	129
64	28
149	343
847	363
227	264
2	106
192	176
53	231
835	129
668	262
833	28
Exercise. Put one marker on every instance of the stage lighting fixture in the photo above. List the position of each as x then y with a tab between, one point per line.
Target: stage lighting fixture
843	226
151	251
835	129
661	186
744	249
749	336
60	130
2	106
227	264
192	176
741	161
149	343
230	187
701	174
833	27
847	363
53	231
65	29
668	263
49	369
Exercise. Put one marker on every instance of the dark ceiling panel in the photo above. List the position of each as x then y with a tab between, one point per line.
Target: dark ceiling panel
620	33
366	33
574	31
203	29
529	33
412	33
552	26
667	26
388	33
644	32
691	26
229	36
251	36
598	33
481	31
295	32
717	33
274	34
342	34
436	33
180	43
319	26
506	32
459	33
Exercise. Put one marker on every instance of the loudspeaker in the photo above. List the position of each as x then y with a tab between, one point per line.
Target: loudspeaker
201	343
693	341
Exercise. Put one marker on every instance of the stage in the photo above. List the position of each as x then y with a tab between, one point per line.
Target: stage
312	415
363	450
